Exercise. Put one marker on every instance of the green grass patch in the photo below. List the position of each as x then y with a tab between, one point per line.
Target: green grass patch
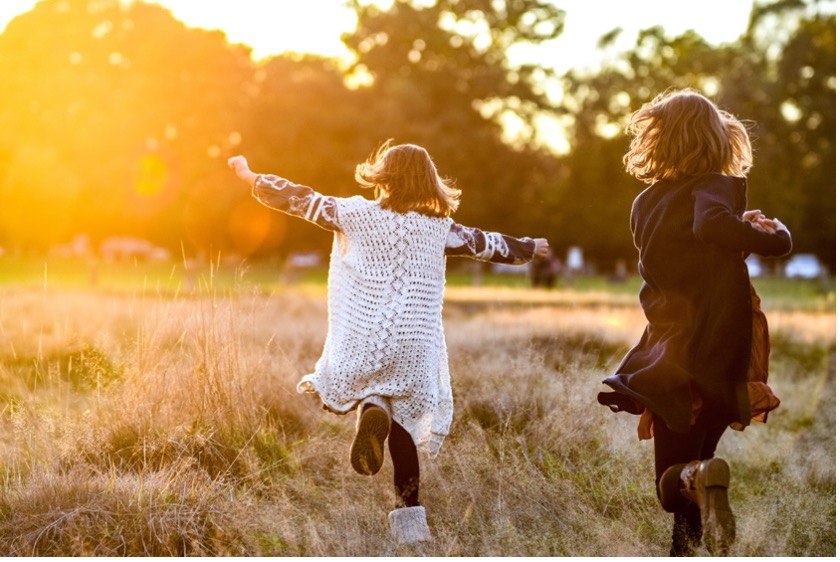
174	277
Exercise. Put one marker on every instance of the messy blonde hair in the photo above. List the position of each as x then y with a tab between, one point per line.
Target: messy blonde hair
404	179
681	133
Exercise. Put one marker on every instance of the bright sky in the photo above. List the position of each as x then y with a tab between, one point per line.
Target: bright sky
316	25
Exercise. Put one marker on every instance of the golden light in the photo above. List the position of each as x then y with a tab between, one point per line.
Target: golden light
300	27
201	219
249	226
150	176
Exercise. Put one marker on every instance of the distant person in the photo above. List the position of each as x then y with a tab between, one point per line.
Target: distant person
701	363
385	353
574	261
544	271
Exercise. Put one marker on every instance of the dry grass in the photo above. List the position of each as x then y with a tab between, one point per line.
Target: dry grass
151	425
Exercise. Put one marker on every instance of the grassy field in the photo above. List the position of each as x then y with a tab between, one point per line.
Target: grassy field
154	413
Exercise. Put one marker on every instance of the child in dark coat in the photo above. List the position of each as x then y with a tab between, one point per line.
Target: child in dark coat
689	376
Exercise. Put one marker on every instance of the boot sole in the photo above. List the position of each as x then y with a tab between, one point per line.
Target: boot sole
368	450
717	516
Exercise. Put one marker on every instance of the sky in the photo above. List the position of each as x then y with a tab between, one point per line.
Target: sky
315	26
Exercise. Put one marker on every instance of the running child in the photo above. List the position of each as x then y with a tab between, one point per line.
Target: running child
385	353
700	365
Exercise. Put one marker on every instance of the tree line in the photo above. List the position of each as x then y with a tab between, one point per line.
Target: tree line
117	119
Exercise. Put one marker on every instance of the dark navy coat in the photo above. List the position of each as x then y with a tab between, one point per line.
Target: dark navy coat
696	296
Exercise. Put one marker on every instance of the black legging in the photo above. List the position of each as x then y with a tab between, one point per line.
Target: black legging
406	466
671	448
673	451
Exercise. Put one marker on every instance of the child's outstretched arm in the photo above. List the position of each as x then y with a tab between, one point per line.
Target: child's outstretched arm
717	221
493	246
282	195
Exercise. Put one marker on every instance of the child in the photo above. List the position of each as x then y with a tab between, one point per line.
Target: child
690	376
385	354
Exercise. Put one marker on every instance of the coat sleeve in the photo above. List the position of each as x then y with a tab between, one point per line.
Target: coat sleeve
297	200
488	246
717	220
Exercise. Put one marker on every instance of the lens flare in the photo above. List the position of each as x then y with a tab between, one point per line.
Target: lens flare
249	226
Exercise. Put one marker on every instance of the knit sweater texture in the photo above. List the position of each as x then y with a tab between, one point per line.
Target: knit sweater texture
386	283
385	342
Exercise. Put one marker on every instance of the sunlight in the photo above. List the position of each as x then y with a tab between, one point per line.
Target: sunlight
249	226
11	8
313	27
150	175
316	26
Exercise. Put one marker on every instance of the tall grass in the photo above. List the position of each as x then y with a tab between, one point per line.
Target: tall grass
139	424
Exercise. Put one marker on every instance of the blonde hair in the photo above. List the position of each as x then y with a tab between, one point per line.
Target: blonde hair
682	133
404	179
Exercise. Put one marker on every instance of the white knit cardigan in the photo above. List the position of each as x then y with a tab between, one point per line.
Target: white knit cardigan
385	339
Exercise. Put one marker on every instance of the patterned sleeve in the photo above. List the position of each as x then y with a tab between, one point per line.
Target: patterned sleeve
488	246
297	200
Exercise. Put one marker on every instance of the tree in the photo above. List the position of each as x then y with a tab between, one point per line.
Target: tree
117	119
118	116
439	77
781	79
796	146
305	124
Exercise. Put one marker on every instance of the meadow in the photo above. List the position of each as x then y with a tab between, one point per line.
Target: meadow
151	414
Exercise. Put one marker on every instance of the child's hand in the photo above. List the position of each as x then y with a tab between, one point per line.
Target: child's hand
752	216
765	225
541	250
759	222
240	166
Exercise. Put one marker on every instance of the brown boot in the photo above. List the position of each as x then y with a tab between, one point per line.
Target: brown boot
706	483
368	449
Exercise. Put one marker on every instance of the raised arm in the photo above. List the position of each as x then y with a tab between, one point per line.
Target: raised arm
287	197
491	246
717	220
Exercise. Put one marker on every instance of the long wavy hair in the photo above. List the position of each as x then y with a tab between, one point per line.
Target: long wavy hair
681	133
404	179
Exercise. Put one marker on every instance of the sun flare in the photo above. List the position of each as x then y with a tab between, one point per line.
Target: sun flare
313	27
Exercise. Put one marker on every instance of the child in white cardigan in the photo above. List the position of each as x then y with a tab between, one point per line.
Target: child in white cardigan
385	353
